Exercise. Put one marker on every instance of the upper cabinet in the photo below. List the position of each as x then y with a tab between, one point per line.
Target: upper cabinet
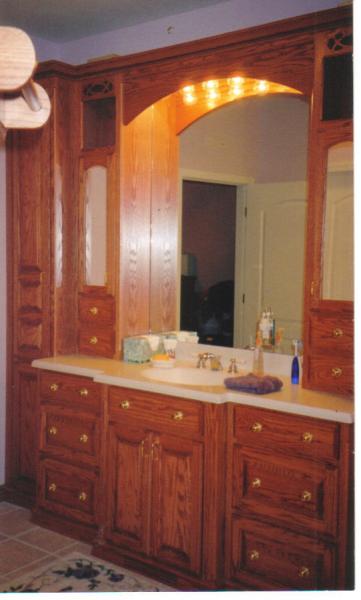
328	361
98	214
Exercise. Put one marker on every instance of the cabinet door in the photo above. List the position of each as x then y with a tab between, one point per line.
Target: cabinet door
129	491
177	472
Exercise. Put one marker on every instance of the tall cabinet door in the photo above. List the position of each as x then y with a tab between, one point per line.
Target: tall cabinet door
129	493
177	502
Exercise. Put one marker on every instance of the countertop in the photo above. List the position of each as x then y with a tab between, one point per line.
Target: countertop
290	399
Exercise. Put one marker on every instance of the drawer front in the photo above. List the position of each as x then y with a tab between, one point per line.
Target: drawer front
70	389
269	555
331	334
291	434
97	340
70	434
299	494
68	490
96	309
161	412
331	374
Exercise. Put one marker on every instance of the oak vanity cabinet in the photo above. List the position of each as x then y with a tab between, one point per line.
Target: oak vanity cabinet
70	429
286	517
328	328
156	488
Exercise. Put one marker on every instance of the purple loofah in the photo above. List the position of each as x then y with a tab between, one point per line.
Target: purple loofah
254	384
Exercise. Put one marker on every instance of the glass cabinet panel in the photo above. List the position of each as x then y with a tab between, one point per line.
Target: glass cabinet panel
337	268
95	225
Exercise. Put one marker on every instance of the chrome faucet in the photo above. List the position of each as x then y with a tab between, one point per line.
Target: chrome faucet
215	361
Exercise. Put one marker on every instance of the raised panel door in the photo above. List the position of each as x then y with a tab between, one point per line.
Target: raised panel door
177	502
129	493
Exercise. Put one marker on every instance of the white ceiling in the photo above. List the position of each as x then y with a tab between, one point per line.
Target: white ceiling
65	20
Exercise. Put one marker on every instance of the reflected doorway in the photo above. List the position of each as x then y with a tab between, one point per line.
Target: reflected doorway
208	260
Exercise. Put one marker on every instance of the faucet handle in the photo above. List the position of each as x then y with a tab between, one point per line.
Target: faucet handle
232	368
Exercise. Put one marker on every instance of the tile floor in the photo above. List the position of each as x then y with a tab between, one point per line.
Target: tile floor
24	546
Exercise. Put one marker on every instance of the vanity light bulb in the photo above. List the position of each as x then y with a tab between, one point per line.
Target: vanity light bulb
189	98
212	95
210	85
262	86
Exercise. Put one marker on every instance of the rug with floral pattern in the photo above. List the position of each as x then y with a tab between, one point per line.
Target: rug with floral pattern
79	573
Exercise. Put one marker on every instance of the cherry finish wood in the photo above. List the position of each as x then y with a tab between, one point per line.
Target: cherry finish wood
70	391
288	523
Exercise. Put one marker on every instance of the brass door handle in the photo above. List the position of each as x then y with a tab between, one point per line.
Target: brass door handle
307	437
83	438
256	482
53	387
93	340
178	415
254	555
337	332
336	372
82	496
256	427
306	496
94	310
83	392
304	572
53	430
125	404
52	487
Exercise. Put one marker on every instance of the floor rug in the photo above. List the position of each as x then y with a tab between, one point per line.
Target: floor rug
79	573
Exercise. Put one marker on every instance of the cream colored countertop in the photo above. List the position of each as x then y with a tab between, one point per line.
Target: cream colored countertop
291	399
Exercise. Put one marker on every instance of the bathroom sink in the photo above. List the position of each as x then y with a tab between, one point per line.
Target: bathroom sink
185	375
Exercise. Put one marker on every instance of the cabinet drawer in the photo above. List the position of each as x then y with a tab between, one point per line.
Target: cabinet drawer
298	493
291	434
68	490
70	389
331	334
161	412
69	435
269	555
96	309
331	374
97	340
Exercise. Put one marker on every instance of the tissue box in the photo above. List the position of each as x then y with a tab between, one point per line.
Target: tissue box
136	350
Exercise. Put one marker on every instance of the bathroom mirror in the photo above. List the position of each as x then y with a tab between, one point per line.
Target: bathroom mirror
337	272
95	225
249	157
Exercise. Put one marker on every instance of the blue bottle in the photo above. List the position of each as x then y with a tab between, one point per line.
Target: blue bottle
295	368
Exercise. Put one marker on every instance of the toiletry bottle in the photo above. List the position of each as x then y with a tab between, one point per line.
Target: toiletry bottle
257	368
295	368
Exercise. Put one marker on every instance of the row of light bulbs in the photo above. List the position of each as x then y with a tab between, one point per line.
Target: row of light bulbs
212	92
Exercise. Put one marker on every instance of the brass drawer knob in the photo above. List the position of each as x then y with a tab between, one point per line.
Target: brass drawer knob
53	430
256	427
306	496
337	332
52	487
256	483
336	372
93	340
82	496
254	555
94	310
178	415
53	387
125	404
84	392
307	437
304	572
83	438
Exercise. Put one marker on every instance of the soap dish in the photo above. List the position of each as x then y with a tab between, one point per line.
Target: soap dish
163	364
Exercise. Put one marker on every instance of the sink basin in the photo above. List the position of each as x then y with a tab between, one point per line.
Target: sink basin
186	376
